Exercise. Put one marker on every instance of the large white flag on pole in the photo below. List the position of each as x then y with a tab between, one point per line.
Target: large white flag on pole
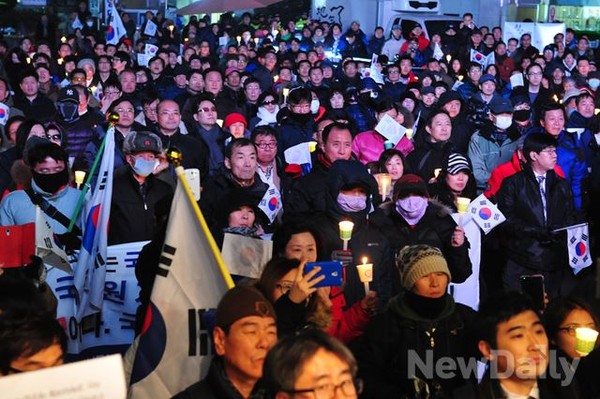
116	29
174	348
90	272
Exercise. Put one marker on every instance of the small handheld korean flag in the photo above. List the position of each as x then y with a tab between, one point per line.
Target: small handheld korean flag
485	213
578	244
4	112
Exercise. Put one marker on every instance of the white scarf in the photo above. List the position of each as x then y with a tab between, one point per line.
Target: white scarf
266	117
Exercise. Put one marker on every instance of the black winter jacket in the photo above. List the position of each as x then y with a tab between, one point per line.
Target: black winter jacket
435	229
395	338
136	212
529	240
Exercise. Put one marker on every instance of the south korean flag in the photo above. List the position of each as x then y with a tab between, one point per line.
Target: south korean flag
578	243
485	213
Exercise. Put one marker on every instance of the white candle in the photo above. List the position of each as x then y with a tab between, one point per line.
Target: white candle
365	273
346	227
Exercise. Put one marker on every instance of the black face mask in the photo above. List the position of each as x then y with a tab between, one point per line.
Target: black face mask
68	111
522	115
51	183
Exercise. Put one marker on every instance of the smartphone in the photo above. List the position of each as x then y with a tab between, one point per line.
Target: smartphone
332	270
533	286
193	178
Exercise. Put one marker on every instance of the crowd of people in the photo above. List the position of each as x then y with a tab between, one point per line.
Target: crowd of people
238	99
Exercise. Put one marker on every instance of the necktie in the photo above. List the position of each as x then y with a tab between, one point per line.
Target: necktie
540	180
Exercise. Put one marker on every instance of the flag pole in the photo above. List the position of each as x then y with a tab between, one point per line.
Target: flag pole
569	227
174	157
113	118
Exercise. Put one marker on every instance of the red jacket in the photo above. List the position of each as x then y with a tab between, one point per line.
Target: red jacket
346	324
508	169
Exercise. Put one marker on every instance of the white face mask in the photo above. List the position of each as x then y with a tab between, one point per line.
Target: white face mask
594	83
503	122
314	106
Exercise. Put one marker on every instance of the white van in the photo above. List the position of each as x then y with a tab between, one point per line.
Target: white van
429	23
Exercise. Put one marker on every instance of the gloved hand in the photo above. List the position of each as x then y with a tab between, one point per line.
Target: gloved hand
70	241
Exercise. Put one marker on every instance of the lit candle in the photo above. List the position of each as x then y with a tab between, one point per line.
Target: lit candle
365	273
346	227
60	61
286	91
460	78
585	340
171	27
63	39
275	78
384	181
436	172
28	60
312	146
448	58
220	122
462	205
596	111
409	134
239	39
79	177
256	39
275	33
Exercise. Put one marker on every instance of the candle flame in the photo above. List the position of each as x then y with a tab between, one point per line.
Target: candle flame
364	260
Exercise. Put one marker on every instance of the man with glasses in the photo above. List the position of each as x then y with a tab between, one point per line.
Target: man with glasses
393	86
311	364
471	85
207	129
539	95
536	201
270	169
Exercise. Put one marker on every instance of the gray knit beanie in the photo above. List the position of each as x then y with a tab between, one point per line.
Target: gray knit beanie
416	261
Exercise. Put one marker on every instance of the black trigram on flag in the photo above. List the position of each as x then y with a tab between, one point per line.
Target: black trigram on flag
199	342
165	261
572	240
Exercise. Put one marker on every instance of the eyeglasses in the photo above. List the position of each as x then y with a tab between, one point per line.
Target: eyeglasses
393	72
571	328
111	93
55	137
125	110
301	106
549	150
264	146
534	74
270	102
284	286
206	109
349	388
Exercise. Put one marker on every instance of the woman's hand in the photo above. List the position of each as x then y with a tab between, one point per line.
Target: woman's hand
369	302
304	285
458	237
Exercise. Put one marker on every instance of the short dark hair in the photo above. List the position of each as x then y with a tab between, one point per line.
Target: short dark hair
274	270
500	308
264	130
236	143
335	125
296	96
209	70
287	358
28	72
551	107
40	152
537	142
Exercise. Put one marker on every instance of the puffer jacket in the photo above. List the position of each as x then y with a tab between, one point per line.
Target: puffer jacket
486	153
435	228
